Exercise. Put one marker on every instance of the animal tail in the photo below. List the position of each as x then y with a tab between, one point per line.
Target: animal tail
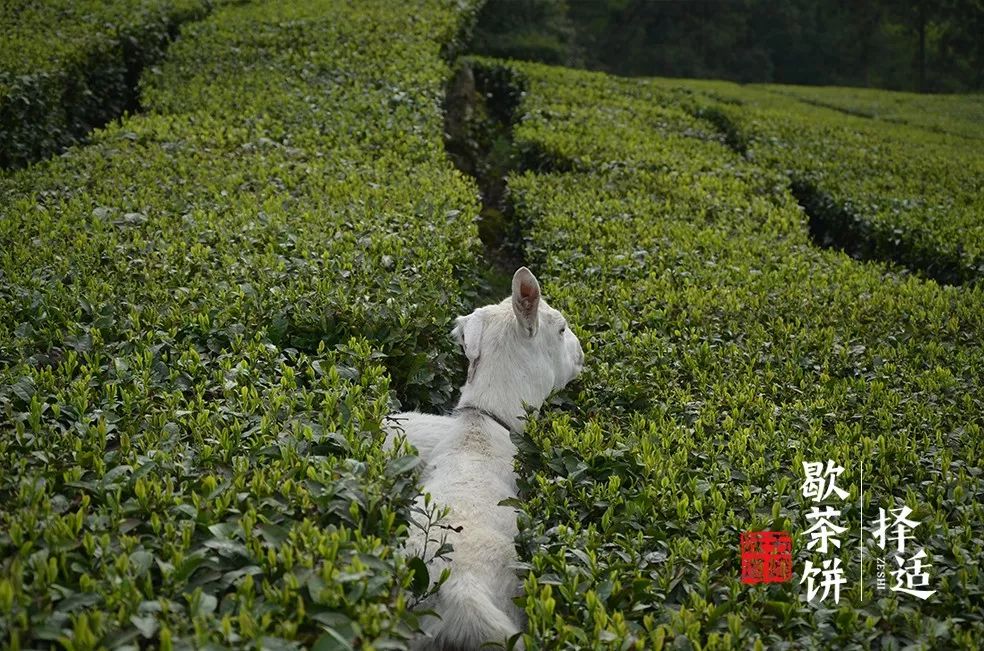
469	618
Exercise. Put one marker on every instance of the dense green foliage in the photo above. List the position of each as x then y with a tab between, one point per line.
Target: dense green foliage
724	349
961	115
913	194
905	187
925	45
209	309
67	66
203	309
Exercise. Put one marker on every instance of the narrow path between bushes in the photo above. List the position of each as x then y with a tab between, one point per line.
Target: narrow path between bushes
479	113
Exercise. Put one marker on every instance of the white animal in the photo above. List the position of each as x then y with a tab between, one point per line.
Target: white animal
519	351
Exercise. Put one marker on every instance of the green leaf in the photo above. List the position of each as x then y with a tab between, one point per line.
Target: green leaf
331	641
421	576
78	601
147	625
223	529
141	561
273	533
24	388
403	464
206	604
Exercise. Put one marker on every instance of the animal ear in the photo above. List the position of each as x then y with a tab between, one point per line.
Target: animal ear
468	333
526	300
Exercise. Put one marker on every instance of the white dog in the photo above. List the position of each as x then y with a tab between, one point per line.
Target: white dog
519	351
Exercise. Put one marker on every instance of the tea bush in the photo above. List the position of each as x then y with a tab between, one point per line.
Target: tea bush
724	349
208	310
67	66
960	115
889	191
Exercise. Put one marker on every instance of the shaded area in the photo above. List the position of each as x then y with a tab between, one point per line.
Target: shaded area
926	45
45	113
832	225
733	136
480	109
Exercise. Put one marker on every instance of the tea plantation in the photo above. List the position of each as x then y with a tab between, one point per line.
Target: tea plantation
960	115
204	313
727	349
68	66
207	310
897	191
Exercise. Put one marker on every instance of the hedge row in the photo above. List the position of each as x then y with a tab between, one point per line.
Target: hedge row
724	349
960	115
208	311
888	191
67	66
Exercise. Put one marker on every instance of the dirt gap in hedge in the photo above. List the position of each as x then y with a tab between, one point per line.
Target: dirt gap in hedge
479	113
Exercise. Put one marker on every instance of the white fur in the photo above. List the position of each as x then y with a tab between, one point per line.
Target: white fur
518	351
